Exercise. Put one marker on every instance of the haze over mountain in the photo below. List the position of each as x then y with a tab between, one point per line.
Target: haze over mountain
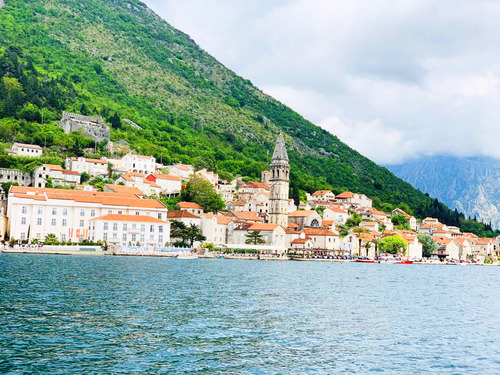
120	60
471	185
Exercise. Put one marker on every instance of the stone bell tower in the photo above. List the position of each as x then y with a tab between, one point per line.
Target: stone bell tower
279	181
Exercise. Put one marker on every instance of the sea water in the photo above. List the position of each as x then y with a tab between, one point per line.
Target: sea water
90	314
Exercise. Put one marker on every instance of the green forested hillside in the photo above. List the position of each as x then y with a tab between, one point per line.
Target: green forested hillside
118	59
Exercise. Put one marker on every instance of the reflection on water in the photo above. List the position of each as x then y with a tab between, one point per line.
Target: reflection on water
63	314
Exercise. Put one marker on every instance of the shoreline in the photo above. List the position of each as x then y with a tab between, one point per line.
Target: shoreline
203	257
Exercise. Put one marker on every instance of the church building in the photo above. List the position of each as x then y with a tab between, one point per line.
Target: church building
279	183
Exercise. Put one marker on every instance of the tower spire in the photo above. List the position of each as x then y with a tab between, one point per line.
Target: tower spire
280	149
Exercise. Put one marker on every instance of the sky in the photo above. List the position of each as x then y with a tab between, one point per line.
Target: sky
395	80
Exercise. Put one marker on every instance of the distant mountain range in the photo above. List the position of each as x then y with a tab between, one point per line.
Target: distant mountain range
471	185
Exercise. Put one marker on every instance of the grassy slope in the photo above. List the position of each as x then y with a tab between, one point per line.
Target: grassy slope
191	107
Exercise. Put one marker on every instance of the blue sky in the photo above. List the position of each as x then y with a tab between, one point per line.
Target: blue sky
396	80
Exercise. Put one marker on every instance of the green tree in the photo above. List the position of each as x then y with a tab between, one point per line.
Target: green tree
254	238
51	239
84	177
400	221
11	95
185	235
429	246
392	245
354	220
200	191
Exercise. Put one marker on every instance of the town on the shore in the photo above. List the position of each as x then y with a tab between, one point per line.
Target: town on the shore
52	209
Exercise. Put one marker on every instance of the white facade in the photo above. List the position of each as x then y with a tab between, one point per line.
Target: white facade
337	214
169	185
215	228
22	149
35	213
94	167
138	163
130	230
58	176
183	171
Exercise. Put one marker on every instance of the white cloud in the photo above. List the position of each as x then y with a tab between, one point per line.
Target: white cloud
394	80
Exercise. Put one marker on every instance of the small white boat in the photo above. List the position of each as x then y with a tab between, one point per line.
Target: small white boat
187	256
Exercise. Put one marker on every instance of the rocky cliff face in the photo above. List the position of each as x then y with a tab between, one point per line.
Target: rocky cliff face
471	185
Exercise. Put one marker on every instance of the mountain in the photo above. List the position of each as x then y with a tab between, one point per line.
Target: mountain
119	60
471	185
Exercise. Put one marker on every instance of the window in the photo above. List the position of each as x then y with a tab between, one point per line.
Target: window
134	226
92	213
160	239
53	222
152	237
82	223
152	228
115	226
65	212
39	236
105	226
54	211
64	222
63	237
143	228
159	216
110	211
120	212
40	210
134	238
125	227
160	228
82	212
39	221
137	213
24	210
105	236
23	220
142	237
23	236
124	238
114	235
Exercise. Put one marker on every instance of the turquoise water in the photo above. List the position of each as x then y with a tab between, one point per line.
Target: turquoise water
72	315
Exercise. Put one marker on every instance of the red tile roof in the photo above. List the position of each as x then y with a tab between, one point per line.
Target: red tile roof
189	205
178	214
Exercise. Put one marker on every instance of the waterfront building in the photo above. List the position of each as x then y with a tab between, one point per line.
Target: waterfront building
272	234
23	149
322	239
280	178
215	228
411	219
36	212
135	230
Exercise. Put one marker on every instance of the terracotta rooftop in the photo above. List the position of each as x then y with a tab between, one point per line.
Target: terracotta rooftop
189	205
179	214
301	213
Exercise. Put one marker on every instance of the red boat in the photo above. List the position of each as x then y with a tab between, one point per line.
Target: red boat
406	262
367	260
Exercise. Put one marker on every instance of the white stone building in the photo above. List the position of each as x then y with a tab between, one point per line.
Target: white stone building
94	127
215	228
93	167
23	149
169	185
130	230
14	175
183	171
37	212
57	174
